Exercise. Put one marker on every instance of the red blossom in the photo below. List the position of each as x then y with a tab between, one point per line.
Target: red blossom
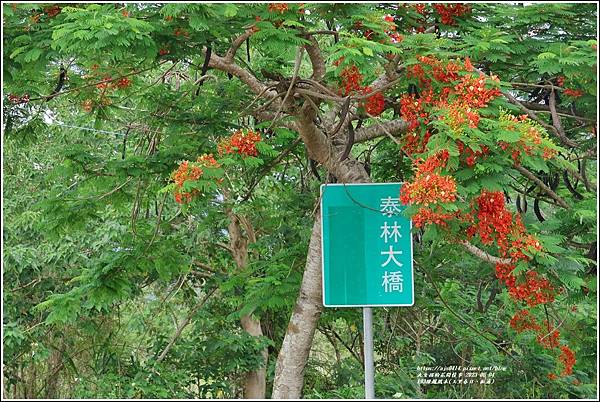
567	358
575	93
243	143
428	186
278	7
448	12
375	104
426	216
52	11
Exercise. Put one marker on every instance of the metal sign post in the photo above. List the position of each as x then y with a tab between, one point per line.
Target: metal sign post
368	348
367	254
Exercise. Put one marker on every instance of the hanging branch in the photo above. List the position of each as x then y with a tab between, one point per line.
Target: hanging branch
543	186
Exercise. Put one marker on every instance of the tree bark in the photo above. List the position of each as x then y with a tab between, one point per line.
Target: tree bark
291	362
255	382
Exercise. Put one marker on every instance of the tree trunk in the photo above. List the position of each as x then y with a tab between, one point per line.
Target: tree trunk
291	362
255	382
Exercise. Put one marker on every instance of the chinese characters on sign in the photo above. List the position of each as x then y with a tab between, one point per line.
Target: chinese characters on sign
367	246
392	281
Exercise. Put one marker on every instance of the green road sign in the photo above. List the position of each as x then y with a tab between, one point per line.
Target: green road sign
366	246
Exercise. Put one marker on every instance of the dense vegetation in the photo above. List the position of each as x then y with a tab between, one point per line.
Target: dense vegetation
161	173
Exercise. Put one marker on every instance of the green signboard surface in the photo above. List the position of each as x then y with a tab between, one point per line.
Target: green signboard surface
367	246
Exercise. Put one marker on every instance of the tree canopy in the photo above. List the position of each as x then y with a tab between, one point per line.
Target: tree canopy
161	174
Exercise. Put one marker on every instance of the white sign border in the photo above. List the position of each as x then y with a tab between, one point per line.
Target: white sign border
412	270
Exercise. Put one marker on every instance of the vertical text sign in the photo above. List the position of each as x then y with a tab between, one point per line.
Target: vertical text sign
366	246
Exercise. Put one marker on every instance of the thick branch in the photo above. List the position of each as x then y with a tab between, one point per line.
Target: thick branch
376	130
321	150
477	252
538	107
221	63
316	59
555	118
297	62
237	42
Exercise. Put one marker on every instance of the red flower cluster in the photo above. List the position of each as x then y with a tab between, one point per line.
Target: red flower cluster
433	163
533	291
524	321
181	32
442	72
351	80
108	83
457	96
521	243
105	83
460	113
575	93
414	144
185	172
448	12
122	83
429	187
180	176
471	90
87	105
390	31
547	337
549	340
411	110
208	160
495	222
427	216
531	138
12	98
567	358
244	143
52	11
352	83
469	155
420	8
374	104
278	7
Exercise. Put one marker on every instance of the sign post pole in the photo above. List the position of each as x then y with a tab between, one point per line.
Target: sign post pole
368	357
366	254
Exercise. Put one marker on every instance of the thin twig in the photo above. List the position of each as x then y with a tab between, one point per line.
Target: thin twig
297	63
184	324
